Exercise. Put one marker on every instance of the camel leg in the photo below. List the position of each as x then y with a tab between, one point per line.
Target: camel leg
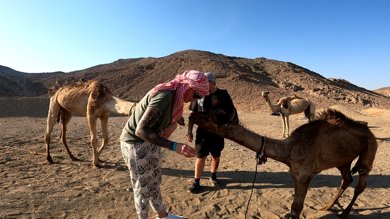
358	190
284	125
104	126
347	179
93	135
65	118
301	184
52	116
308	114
287	127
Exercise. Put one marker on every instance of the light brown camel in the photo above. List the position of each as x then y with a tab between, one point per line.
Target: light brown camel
91	99
287	106
333	140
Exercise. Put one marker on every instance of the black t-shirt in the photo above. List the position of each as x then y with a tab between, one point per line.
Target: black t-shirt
220	99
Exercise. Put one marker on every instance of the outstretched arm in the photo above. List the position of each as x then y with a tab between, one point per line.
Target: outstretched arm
145	131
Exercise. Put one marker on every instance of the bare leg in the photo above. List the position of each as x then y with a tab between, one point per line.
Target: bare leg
199	167
52	116
347	179
214	164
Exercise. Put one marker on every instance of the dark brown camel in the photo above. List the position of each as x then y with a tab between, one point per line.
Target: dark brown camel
91	99
332	140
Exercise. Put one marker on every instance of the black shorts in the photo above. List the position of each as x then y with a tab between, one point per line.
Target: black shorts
208	143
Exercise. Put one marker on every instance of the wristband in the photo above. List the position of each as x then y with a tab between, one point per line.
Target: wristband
174	146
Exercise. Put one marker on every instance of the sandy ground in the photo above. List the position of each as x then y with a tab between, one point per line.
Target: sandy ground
30	188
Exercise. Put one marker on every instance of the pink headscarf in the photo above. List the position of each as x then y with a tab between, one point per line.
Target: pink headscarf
189	79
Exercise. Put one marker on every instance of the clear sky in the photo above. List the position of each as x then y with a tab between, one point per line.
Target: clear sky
347	39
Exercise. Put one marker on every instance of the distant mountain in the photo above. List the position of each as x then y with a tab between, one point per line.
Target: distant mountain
19	84
384	91
243	78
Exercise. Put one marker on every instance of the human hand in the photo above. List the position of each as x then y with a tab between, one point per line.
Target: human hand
185	150
168	130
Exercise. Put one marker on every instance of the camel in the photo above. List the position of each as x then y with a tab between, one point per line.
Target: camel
332	140
290	105
91	99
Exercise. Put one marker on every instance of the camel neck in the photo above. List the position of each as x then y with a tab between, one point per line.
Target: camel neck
274	148
117	105
274	108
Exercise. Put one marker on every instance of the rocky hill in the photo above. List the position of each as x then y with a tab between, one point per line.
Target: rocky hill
244	78
384	91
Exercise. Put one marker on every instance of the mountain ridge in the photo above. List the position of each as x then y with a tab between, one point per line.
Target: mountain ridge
244	79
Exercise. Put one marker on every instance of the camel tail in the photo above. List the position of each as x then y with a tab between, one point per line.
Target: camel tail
310	110
119	106
366	158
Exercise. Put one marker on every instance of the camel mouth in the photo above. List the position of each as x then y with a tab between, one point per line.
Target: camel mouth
195	117
212	118
207	121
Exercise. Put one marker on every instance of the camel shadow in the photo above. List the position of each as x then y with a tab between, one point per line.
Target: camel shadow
242	180
357	215
117	166
233	179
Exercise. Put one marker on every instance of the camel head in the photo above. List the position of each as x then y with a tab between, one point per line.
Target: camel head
212	120
53	89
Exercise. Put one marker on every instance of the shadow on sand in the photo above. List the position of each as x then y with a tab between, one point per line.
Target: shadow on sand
279	179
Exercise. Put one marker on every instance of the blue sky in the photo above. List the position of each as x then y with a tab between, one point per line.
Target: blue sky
347	39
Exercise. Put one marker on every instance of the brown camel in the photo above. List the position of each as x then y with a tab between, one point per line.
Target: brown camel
287	106
91	99
333	140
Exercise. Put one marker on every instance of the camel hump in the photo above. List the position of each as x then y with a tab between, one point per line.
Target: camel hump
338	118
295	97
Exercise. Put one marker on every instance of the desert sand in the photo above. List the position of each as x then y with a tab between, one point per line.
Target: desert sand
30	188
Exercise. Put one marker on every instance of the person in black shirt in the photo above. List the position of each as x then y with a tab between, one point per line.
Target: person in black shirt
209	143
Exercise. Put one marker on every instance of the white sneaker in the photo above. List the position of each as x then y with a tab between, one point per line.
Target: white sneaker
171	216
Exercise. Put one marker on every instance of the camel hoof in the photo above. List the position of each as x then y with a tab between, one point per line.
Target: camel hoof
74	158
49	160
97	166
343	215
290	216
